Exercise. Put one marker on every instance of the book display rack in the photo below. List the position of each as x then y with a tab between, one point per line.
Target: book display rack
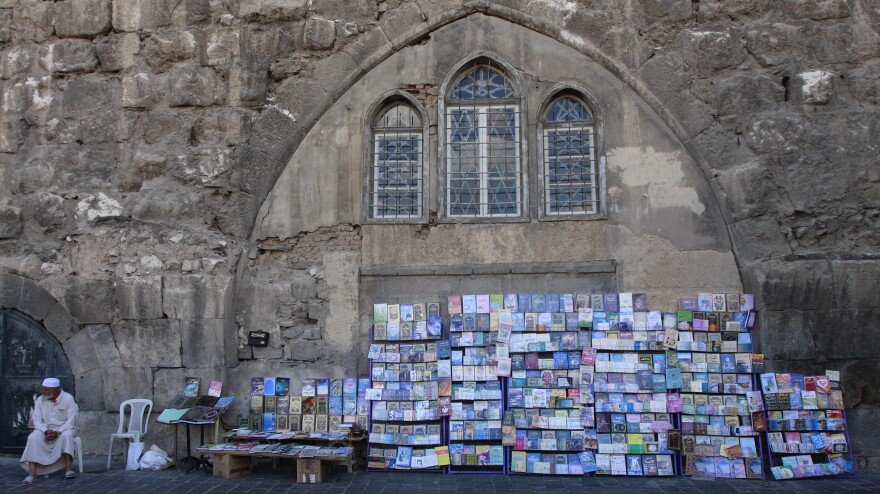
405	422
720	421
476	406
807	432
632	408
543	391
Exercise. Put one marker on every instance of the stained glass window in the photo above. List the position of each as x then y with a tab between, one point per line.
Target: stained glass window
483	170
570	177
396	182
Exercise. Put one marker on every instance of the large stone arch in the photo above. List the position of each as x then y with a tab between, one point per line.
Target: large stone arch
299	103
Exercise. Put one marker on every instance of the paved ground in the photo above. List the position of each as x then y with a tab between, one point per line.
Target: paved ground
266	479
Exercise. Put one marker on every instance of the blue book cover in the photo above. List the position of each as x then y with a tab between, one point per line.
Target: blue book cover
673	378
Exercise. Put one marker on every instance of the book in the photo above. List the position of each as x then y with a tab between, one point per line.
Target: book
282	386
215	388
268	386
257	386
191	386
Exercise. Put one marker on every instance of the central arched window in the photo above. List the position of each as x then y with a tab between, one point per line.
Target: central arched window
482	145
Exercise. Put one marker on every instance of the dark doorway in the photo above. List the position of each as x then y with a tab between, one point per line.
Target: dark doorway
28	353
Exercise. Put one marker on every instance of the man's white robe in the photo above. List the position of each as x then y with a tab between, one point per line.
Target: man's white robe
58	415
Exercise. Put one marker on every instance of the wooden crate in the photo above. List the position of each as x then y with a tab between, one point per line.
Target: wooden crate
310	471
231	466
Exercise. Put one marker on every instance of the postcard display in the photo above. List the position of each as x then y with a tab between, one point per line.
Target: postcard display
321	406
632	386
406	429
806	426
721	417
476	407
543	417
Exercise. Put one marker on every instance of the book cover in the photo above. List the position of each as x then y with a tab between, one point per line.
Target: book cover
282	386
215	388
611	302
380	313
268	386
191	386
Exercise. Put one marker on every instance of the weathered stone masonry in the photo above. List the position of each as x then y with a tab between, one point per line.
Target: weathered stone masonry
175	172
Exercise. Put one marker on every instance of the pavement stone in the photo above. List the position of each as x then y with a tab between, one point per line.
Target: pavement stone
281	479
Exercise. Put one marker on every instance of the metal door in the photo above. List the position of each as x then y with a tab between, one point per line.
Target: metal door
28	353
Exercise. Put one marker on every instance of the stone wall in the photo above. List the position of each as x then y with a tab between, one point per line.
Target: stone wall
139	140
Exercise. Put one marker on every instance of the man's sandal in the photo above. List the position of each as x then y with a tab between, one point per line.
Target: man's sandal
27	480
70	474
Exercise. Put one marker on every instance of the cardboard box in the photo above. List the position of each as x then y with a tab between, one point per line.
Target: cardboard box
309	471
231	466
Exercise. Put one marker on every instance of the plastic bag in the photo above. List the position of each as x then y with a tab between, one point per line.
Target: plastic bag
134	454
154	459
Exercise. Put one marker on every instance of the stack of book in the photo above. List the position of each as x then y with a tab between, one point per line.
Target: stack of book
406	425
476	404
323	405
806	425
632	387
721	417
543	414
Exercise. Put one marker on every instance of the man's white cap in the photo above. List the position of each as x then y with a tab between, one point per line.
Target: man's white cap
51	382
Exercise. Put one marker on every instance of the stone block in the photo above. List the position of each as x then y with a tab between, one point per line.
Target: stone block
351	10
104	345
855	283
204	165
273	122
774	44
404	24
191	86
169	129
863	422
89	390
88	95
163	50
88	301
786	335
369	48
864	83
815	87
302	351
81	353
82	18
17	61
775	133
224	126
319	34
117	52
69	56
58	322
818	10
718	148
806	285
95	427
273	10
759	238
124	383
221	48
139	297
666	11
301	98
142	15
203	343
10	218
734	100
748	190
625	45
336	74
11	289
35	300
588	24
835	330
11	137
155	343
47	210
196	296
706	49
33	20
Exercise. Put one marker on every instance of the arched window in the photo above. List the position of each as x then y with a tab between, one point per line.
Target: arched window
570	172
482	145
396	178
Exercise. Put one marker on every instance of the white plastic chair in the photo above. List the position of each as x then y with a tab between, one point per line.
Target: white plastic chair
139	412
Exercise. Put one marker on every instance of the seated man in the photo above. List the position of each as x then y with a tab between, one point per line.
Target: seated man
51	442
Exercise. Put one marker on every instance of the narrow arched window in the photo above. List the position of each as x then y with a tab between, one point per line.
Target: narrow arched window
570	172
396	181
483	169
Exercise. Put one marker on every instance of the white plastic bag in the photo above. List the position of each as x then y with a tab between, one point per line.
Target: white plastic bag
134	455
154	459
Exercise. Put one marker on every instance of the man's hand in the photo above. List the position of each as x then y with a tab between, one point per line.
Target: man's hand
51	435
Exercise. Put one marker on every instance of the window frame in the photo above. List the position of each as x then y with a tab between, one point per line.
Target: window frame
382	104
445	104
582	96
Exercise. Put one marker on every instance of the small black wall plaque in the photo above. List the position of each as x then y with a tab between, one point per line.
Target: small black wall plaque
258	338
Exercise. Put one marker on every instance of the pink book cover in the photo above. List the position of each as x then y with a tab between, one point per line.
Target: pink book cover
215	388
